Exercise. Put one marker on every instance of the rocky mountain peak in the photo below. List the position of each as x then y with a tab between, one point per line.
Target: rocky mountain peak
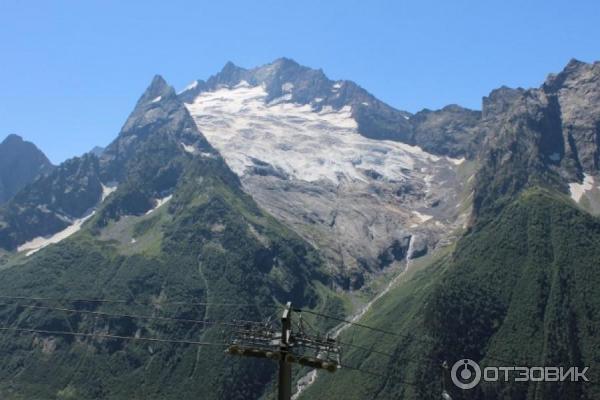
158	113
229	75
159	89
280	69
12	139
157	101
499	100
286	81
20	163
229	66
575	73
575	91
285	61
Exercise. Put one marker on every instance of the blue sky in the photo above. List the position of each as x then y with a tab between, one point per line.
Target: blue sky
71	71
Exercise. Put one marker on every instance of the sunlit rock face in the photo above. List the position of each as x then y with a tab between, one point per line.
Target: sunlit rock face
359	198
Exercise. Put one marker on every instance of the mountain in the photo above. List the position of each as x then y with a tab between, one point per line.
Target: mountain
545	137
169	229
310	151
521	291
20	163
452	233
286	81
366	203
97	151
451	131
51	204
520	287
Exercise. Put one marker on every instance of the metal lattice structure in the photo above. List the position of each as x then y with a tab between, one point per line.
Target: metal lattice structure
287	347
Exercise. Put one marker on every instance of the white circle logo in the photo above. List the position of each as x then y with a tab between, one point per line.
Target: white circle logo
465	374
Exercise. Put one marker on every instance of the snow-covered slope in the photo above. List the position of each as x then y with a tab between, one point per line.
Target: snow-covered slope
36	244
577	190
297	141
40	242
361	200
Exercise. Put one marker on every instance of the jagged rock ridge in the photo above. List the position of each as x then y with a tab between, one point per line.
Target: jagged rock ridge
20	163
305	160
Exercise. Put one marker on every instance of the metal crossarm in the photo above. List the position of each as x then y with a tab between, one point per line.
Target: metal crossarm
286	347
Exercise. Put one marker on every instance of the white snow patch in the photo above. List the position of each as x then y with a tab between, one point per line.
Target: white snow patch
159	202
133	240
40	242
456	161
242	84
422	217
281	99
406	117
294	138
107	189
191	86
188	148
287	87
578	189
364	103
318	99
336	86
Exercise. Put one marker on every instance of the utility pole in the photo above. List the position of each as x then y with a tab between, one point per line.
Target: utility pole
253	339
285	368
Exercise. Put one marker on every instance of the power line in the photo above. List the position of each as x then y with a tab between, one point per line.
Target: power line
372	350
132	316
410	337
222	323
362	370
214	322
434	361
367	349
379	375
132	301
108	336
429	360
353	323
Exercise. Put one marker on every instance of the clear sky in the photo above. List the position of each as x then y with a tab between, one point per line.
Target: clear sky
71	71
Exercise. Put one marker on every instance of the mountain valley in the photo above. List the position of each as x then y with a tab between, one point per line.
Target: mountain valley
465	233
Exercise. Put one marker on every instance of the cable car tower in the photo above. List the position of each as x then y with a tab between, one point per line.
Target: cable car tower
286	347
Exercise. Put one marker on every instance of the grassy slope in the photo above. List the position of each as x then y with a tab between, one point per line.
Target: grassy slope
524	287
399	311
215	246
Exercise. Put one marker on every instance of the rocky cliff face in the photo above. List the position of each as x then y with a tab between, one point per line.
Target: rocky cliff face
449	131
520	286
52	202
158	130
577	91
302	146
20	163
296	141
544	136
157	112
453	131
294	138
169	222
